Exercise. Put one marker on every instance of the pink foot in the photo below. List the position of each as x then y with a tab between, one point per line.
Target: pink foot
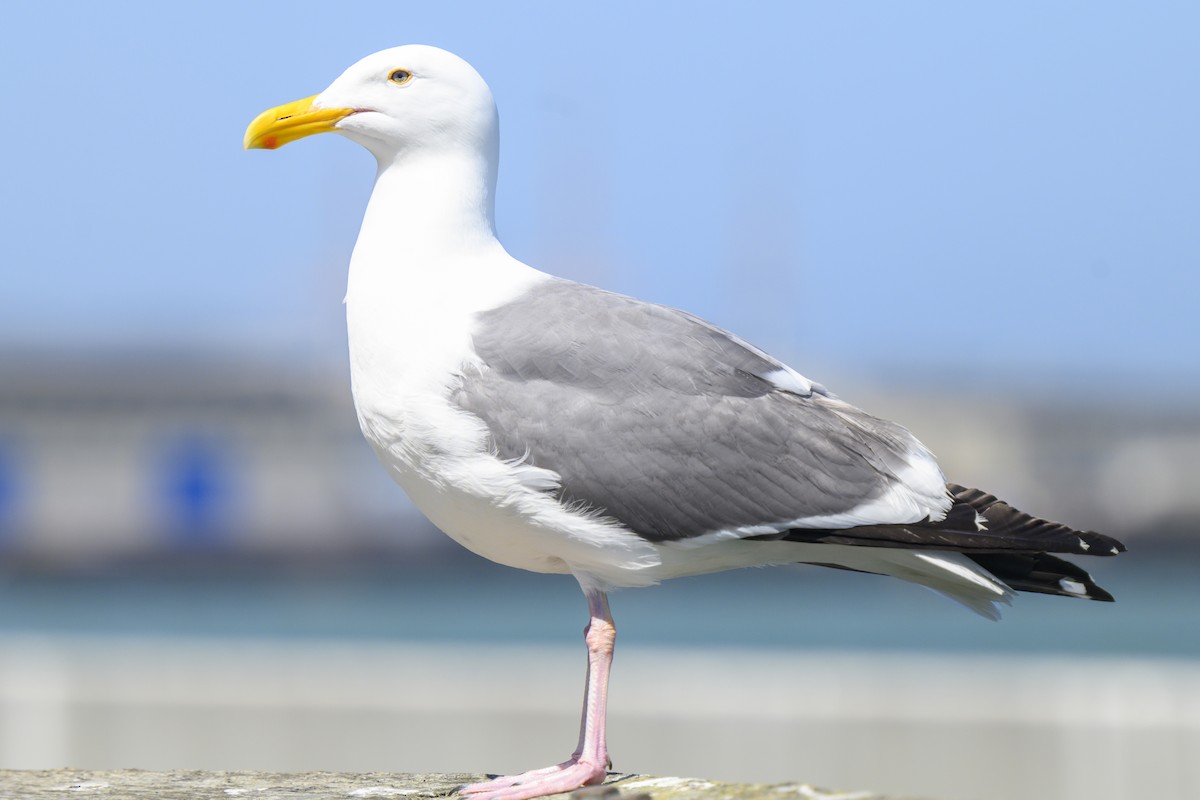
589	763
565	777
507	781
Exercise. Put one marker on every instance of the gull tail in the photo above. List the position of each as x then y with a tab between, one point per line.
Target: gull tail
1008	545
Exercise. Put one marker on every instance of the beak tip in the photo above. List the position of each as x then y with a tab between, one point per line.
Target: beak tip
260	142
277	126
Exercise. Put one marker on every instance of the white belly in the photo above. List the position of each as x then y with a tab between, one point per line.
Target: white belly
440	456
480	526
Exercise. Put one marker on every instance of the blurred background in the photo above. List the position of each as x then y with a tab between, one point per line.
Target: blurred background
978	221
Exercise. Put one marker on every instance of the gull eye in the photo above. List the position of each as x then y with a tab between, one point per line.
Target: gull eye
400	76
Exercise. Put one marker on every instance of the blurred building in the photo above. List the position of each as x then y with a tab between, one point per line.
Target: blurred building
112	458
115	457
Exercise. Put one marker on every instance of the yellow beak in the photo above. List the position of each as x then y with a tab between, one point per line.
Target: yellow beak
277	126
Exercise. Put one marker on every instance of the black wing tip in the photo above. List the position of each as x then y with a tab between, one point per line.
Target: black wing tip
1092	591
1053	536
1042	573
1097	544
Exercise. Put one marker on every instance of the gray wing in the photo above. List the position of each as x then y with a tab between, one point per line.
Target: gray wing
667	423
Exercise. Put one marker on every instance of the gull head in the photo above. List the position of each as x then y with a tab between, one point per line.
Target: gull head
395	102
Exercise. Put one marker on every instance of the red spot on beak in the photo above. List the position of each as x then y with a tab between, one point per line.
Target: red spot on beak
270	143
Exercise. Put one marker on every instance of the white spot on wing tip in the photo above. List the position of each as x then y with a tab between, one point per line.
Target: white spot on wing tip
1114	551
1084	545
1072	587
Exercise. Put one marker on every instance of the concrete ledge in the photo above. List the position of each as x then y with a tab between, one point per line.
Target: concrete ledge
134	784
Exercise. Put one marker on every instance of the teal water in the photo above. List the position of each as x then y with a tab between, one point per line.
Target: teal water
1157	612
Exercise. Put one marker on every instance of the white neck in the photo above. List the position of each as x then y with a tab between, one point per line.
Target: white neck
428	231
426	262
431	205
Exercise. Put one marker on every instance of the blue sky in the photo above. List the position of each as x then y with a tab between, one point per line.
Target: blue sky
968	193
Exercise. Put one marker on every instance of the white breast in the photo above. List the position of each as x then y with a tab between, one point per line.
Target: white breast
410	338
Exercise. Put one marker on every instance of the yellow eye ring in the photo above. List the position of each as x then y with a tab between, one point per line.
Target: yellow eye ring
400	76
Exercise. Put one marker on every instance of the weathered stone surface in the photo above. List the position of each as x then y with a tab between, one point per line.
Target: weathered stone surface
132	784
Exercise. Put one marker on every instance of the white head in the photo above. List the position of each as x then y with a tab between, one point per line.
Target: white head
395	103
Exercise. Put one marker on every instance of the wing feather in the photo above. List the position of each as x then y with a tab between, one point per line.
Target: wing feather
678	429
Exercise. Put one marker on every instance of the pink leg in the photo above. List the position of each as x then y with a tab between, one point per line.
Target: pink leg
589	763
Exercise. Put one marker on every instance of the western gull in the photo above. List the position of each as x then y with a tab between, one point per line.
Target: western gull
560	428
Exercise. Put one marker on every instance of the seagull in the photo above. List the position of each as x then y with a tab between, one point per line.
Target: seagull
560	428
